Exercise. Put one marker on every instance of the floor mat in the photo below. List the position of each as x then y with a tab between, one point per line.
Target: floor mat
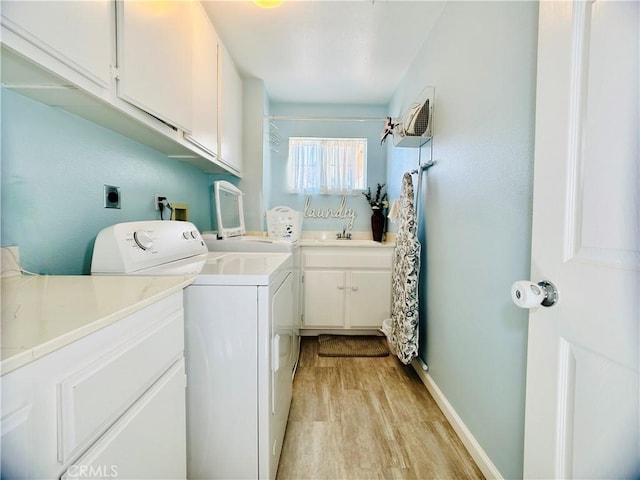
352	346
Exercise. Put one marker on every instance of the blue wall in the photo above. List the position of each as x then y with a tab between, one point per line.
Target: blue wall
54	166
376	158
476	222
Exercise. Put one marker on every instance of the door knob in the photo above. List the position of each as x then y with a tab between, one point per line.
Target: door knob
526	294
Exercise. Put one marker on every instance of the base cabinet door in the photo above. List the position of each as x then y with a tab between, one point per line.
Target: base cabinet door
324	298
120	454
369	298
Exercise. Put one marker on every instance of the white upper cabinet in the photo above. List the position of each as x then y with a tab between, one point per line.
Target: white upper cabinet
230	112
74	40
204	131
154	71
155	42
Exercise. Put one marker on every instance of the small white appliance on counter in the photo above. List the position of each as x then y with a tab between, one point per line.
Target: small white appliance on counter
239	342
231	235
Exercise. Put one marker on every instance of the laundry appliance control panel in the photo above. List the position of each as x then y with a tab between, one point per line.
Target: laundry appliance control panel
125	248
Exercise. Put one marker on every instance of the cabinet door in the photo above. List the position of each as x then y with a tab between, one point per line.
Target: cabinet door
120	453
80	35
93	397
204	132
324	293
370	298
230	108
15	461
155	58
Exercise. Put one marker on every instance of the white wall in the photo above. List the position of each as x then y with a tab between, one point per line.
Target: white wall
476	221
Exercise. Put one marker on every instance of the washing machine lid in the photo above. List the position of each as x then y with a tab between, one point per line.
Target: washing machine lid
243	268
248	243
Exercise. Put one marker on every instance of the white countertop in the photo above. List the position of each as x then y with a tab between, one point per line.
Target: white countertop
43	313
262	243
358	239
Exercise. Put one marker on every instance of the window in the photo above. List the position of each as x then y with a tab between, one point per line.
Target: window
327	165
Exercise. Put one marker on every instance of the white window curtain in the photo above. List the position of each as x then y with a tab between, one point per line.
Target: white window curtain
327	165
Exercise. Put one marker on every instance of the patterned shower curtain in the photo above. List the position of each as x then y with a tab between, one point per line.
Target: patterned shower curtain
406	267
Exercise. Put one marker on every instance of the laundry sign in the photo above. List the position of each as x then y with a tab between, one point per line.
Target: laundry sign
341	212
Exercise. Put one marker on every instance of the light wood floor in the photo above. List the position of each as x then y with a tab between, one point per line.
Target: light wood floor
367	418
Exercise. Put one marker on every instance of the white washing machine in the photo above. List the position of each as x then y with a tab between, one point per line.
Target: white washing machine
239	342
239	317
231	237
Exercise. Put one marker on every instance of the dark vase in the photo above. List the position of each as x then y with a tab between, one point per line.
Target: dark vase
377	224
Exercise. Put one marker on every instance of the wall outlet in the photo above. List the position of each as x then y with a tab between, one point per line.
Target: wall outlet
156	200
111	196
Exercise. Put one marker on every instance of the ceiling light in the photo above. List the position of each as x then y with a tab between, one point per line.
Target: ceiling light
267	3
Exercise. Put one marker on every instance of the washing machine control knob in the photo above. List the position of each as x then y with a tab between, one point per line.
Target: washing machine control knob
143	239
194	234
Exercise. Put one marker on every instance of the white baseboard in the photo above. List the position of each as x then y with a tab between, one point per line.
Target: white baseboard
483	461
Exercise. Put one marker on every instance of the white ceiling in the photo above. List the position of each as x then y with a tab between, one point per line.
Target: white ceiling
344	52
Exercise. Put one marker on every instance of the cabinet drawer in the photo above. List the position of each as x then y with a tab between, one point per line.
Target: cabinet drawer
324	260
160	415
93	398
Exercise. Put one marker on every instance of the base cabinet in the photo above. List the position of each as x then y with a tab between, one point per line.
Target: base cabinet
346	288
110	405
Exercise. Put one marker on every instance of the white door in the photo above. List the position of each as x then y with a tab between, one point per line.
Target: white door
582	372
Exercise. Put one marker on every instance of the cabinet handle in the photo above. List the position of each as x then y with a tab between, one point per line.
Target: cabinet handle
340	287
355	289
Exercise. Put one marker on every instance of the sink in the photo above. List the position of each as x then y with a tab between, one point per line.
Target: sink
347	243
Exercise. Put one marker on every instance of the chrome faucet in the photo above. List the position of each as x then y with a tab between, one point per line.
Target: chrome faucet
344	235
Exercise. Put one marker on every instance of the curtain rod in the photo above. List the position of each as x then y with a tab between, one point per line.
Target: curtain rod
326	119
